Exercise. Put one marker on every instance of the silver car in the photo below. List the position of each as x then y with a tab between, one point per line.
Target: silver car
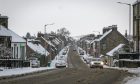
96	63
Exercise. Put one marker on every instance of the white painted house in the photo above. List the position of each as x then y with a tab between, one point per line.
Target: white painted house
18	45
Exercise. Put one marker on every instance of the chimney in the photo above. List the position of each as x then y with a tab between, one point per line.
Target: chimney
105	29
126	33
114	27
4	21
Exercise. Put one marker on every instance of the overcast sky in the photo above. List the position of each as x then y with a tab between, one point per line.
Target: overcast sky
78	16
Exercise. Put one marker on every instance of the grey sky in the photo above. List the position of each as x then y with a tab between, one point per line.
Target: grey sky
78	16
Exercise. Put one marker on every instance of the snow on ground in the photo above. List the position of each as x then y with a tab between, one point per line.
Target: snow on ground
19	71
134	80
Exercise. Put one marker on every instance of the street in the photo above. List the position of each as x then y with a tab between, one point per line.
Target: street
77	72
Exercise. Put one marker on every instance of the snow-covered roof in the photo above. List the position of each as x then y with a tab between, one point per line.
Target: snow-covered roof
8	32
93	41
37	48
48	42
88	41
56	41
104	35
66	37
110	53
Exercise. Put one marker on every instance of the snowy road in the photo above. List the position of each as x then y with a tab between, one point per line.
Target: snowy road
76	73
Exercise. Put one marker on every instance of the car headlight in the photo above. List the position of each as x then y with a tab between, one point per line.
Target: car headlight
92	63
102	63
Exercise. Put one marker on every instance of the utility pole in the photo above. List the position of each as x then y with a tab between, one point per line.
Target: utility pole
45	39
129	21
138	26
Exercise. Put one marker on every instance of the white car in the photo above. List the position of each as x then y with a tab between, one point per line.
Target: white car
88	59
96	63
35	63
60	63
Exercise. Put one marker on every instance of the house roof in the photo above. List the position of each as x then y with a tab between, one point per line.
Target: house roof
104	35
48	42
37	48
110	53
137	1
56	41
7	32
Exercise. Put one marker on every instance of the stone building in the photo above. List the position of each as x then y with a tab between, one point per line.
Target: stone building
110	39
136	26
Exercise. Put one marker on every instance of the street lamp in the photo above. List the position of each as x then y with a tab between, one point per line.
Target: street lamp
46	26
129	20
129	16
45	37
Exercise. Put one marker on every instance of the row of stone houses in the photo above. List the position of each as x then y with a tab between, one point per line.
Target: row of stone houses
16	51
100	45
49	42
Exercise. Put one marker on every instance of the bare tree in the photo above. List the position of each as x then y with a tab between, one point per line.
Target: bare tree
63	31
28	35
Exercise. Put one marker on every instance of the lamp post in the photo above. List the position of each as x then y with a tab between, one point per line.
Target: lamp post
45	38
99	43
129	20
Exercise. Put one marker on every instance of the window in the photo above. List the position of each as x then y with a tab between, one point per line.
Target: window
17	53
14	52
103	46
22	52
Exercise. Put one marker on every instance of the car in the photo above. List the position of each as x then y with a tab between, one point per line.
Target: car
35	63
88	59
60	63
64	53
81	53
74	49
96	63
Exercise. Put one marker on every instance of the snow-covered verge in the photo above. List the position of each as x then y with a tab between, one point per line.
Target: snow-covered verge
4	72
20	71
134	79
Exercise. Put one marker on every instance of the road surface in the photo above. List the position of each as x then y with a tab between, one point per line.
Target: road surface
76	73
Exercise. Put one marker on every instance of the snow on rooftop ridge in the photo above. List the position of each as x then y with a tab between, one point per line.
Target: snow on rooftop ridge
4	31
56	42
37	48
110	53
104	35
48	42
7	32
137	1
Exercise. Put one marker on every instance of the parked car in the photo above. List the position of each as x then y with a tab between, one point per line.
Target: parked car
60	63
64	53
81	53
34	63
74	49
88	59
96	63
